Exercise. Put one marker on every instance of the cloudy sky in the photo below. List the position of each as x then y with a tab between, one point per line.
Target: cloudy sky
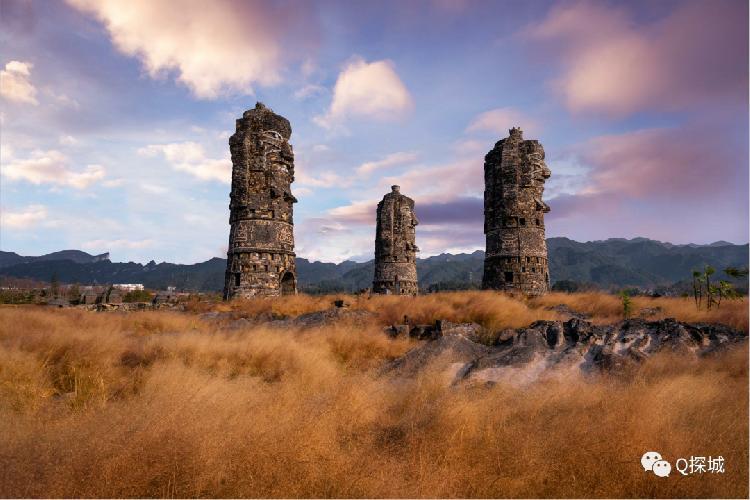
116	115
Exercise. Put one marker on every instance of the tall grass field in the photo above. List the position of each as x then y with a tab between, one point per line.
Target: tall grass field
171	404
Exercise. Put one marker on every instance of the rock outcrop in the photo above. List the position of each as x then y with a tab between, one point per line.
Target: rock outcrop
521	355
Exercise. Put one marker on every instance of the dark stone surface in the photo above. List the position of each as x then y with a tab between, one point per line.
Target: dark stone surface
260	258
516	255
395	247
527	352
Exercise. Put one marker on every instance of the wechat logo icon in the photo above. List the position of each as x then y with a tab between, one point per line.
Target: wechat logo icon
653	461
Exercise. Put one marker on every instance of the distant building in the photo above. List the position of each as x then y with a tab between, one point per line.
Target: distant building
88	297
129	287
114	296
165	297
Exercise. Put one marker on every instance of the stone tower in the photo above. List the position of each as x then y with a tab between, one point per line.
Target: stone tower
516	255
260	259
395	251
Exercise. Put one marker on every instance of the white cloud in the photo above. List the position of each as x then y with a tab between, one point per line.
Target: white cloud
67	140
500	120
153	188
51	167
326	179
117	243
308	90
214	48
190	157
372	90
389	161
15	83
26	218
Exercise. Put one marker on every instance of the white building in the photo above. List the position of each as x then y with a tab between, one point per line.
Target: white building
129	287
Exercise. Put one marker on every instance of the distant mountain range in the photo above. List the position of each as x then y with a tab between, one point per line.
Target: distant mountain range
11	258
612	263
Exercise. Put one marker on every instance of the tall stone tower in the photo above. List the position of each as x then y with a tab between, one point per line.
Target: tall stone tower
395	250
260	260
516	255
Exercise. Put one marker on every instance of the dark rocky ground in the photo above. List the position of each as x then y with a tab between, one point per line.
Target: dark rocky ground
466	352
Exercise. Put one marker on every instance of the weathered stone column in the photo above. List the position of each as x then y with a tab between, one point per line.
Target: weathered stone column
516	254
395	248
260	259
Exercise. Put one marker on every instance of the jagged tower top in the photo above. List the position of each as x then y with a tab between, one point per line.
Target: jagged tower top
263	118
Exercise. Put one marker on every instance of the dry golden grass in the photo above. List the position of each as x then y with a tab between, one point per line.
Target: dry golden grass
161	404
490	309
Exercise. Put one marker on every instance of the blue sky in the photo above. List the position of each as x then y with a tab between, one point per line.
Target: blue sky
116	116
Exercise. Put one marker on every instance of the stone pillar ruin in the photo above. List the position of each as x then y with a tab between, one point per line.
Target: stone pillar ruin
516	253
395	248
260	258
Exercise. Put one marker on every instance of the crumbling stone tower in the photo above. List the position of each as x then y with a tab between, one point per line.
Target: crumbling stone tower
516	255
260	259
395	250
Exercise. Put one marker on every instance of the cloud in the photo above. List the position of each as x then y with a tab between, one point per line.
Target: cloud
226	47
117	243
500	120
461	177
25	218
51	167
67	140
389	161
450	238
612	65
308	90
465	209
372	90
15	83
191	157
664	162
677	184
340	241
360	212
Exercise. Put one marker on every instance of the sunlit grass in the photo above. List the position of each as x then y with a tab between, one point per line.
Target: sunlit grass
166	404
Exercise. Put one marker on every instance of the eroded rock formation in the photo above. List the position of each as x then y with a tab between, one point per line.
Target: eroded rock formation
516	254
465	353
395	248
260	258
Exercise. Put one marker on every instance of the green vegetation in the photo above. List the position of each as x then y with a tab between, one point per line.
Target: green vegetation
627	304
715	292
137	296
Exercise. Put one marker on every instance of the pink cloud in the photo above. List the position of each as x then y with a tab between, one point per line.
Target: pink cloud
226	48
500	120
611	65
676	184
684	162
